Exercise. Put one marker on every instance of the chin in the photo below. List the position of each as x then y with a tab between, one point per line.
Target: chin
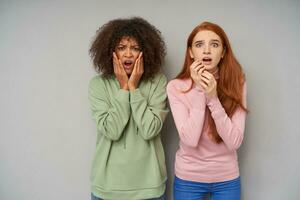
209	67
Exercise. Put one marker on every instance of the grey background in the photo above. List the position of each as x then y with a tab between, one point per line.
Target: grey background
47	135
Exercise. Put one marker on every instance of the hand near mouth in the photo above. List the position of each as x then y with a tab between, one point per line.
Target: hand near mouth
137	73
196	70
209	84
120	72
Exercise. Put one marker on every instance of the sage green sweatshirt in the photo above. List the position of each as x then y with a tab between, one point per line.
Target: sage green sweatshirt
129	162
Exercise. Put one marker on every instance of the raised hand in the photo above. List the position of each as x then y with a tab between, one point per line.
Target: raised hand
209	84
120	72
196	70
137	73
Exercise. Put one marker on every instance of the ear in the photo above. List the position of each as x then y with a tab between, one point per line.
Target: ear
191	53
223	53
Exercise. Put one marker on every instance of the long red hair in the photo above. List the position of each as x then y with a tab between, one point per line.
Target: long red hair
231	81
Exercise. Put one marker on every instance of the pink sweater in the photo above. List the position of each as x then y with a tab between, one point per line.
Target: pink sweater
198	157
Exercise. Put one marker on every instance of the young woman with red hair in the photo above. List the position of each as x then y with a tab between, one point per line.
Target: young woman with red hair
208	103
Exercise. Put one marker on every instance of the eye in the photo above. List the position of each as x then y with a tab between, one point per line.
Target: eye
136	49
215	44
120	48
198	45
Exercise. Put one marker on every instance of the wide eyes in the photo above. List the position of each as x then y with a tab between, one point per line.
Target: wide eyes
212	44
199	45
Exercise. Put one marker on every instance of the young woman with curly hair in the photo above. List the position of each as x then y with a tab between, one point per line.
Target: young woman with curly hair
128	103
208	103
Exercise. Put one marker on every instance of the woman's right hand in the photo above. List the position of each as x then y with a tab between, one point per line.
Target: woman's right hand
120	72
137	73
197	69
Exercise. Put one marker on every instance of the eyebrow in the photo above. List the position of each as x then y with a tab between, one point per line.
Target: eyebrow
199	41
135	45
216	40
213	40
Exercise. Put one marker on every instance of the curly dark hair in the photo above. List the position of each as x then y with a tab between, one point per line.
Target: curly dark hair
110	34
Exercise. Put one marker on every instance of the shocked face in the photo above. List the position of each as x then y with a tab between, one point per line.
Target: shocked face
128	51
207	47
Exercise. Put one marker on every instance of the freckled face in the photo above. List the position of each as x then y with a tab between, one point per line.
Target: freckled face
207	47
128	51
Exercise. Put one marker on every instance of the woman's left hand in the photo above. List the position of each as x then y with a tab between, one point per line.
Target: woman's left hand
137	73
209	84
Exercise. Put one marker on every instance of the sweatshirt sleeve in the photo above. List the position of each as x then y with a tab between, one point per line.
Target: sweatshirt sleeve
231	130
150	115
110	115
188	121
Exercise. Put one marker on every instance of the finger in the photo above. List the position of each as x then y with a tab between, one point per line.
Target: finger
115	58
120	67
141	66
136	63
195	64
114	55
142	62
203	85
197	61
201	70
197	68
115	62
139	62
205	80
193	73
140	55
207	75
120	63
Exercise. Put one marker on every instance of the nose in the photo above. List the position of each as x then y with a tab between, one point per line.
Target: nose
206	49
128	52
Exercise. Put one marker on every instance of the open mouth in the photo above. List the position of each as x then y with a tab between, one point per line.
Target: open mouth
127	64
206	59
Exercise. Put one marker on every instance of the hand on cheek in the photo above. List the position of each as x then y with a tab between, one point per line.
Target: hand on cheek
120	72
137	73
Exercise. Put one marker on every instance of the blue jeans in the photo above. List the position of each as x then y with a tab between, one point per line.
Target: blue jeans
97	198
191	190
